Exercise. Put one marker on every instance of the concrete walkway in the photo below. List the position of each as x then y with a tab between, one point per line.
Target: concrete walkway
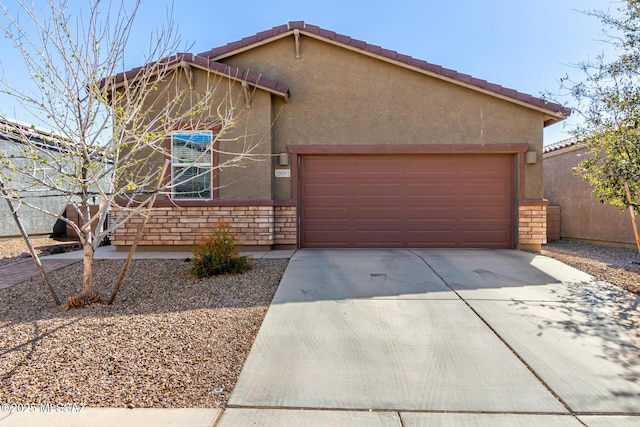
424	337
24	269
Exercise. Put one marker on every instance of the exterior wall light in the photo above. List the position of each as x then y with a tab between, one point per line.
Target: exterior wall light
283	159
531	157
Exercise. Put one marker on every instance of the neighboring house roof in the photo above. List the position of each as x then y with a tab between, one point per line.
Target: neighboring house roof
554	112
16	131
237	74
565	145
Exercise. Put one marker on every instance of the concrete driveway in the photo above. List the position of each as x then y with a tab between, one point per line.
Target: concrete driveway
441	337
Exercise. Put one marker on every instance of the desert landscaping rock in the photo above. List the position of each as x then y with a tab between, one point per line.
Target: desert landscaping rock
617	265
169	340
12	249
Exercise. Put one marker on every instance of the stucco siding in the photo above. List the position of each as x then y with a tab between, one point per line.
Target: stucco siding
582	216
252	177
340	97
244	144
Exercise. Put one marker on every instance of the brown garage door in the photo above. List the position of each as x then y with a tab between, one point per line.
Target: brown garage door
443	200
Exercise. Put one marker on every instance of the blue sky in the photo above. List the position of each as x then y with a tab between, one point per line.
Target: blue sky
527	45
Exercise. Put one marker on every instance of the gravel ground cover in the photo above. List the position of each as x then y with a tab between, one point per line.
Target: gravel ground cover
169	340
16	248
617	265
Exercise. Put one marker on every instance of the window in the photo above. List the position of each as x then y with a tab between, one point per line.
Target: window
191	165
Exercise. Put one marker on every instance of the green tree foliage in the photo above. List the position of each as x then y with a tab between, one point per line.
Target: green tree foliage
609	102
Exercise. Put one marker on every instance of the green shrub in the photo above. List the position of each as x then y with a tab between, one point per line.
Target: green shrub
219	254
56	250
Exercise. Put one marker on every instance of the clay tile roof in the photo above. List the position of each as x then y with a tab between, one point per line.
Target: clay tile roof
219	68
296	25
566	143
227	50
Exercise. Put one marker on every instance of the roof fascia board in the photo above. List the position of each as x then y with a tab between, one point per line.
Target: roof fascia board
550	116
256	44
234	78
182	63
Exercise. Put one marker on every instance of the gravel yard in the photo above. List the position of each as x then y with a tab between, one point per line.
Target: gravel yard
169	340
617	265
14	248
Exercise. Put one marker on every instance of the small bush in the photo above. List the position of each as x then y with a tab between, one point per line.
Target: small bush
219	254
56	250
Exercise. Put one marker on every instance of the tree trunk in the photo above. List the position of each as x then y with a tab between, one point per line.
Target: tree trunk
87	270
633	216
87	247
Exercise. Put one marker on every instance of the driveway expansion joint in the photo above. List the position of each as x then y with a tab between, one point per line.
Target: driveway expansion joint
412	411
524	362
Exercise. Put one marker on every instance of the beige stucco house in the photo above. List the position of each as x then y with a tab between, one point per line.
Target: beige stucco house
582	217
363	147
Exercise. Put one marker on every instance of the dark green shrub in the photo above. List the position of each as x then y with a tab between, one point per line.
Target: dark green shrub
219	254
56	250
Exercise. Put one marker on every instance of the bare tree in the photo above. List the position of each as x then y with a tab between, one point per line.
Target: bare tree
109	128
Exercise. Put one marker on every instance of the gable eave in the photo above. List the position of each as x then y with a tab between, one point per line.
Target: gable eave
181	60
552	112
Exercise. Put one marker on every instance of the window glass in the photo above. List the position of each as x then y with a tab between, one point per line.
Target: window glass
191	165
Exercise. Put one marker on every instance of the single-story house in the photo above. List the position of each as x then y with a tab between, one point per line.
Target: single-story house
365	147
582	217
35	221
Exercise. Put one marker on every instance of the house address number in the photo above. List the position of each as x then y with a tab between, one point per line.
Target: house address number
283	173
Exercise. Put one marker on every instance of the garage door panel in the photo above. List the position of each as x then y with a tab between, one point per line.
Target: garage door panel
379	215
391	226
327	188
386	191
325	214
432	217
486	239
325	238
365	238
437	239
364	204
491	214
406	200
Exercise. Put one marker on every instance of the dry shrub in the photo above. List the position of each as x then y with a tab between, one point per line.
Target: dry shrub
219	254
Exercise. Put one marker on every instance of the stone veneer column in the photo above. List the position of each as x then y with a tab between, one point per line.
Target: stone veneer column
532	224
285	225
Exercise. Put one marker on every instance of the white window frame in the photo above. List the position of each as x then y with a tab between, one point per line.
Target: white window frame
205	161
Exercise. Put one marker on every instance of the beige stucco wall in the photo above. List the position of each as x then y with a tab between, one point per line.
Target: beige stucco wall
582	216
247	135
344	97
251	177
246	132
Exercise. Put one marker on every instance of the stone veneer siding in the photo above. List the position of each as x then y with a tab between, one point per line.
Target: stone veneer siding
184	226
285	225
532	222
